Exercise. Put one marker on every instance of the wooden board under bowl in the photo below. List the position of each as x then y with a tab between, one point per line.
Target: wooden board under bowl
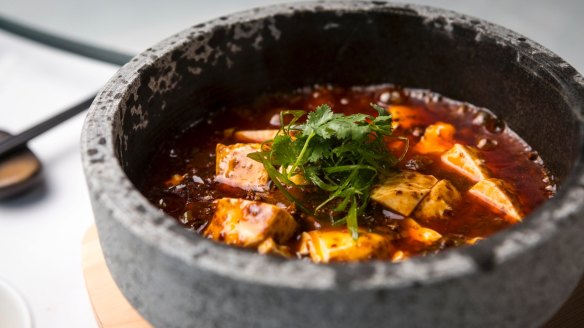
109	305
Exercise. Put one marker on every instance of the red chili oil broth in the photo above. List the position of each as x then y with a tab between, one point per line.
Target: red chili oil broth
192	156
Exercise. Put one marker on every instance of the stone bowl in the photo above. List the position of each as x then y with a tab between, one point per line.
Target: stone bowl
174	278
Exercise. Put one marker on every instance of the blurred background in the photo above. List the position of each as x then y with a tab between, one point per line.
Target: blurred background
41	233
132	26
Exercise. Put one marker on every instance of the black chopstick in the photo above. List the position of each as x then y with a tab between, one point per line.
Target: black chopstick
105	55
16	142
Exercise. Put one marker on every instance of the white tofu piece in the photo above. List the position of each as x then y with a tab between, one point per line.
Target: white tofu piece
247	223
474	240
257	136
234	168
403	191
466	161
437	138
441	200
269	246
338	245
413	230
405	116
298	179
498	195
399	256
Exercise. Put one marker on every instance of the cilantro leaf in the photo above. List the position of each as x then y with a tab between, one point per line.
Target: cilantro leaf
321	115
283	151
343	155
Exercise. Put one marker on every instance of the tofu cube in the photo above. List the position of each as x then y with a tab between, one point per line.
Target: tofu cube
474	240
441	200
466	161
498	195
338	245
437	138
405	117
403	191
247	223
257	136
298	179
399	256
234	168
413	230
269	246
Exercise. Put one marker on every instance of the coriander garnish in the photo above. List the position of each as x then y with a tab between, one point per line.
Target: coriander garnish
340	154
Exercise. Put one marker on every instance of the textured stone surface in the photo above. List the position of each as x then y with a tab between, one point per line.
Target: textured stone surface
519	277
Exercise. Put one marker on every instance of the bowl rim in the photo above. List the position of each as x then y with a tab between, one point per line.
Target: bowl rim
107	181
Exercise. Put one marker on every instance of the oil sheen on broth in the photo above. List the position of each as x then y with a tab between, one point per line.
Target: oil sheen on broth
465	176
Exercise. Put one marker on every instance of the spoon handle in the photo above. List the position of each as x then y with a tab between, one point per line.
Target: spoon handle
12	143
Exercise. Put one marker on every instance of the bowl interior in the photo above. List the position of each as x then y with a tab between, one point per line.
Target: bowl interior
235	63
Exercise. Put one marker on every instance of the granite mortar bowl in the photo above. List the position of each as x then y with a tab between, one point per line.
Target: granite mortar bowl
175	278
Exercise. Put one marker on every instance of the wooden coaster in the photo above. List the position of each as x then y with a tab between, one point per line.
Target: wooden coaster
112	310
109	305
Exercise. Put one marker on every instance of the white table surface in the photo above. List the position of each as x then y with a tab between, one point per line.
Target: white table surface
41	233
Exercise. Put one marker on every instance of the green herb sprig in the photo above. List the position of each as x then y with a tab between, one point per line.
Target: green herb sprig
341	154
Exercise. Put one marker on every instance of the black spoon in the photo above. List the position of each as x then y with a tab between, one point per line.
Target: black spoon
20	168
19	171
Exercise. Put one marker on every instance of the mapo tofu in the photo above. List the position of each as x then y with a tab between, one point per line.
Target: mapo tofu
335	174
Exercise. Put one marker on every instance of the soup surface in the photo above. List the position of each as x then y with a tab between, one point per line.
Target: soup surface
458	175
